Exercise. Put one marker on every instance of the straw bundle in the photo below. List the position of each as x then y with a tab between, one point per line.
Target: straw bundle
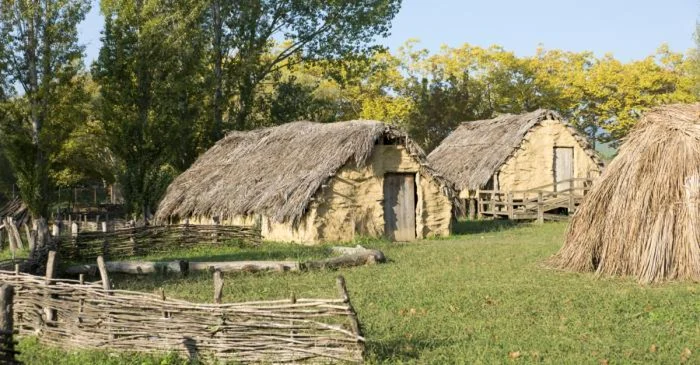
643	218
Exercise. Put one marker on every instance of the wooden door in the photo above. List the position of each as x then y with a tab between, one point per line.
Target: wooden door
400	207
563	166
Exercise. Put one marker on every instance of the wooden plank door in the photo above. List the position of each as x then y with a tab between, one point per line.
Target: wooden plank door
563	166
400	207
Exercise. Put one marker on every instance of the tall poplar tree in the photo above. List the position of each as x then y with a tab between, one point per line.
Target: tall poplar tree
39	59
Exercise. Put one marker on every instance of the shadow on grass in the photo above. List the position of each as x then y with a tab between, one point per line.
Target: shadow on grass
401	350
484	226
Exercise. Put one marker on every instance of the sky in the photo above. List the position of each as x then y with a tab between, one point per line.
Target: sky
629	29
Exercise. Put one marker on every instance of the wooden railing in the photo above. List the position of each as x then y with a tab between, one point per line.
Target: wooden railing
532	203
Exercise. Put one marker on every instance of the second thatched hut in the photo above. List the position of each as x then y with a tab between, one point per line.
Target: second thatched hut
642	218
515	153
311	182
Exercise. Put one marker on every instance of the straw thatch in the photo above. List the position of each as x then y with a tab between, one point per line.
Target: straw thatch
476	150
642	218
276	171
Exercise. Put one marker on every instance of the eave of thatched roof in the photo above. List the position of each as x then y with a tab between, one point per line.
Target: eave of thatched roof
476	150
276	171
642	216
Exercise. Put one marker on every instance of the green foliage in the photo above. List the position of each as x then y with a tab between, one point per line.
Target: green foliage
243	47
40	54
148	95
602	97
475	298
695	61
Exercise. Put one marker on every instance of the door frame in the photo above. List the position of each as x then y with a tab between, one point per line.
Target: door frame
554	164
415	176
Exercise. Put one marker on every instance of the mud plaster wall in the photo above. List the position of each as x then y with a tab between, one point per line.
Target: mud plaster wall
352	204
532	165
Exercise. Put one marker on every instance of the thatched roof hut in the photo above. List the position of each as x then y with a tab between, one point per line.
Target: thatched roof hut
515	152
310	182
642	218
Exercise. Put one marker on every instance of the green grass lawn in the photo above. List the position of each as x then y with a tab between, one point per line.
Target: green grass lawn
480	297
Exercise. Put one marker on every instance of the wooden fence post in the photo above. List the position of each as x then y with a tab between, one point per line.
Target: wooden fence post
13	234
107	287
572	205
105	243
50	273
132	240
56	229
472	209
216	230
81	301
162	297
74	238
7	347
479	205
511	210
218	286
343	291
540	208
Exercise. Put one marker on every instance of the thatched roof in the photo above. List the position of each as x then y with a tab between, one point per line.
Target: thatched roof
276	171
642	217
475	151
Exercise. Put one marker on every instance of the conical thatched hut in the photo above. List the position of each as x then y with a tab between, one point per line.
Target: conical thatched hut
311	182
642	218
514	152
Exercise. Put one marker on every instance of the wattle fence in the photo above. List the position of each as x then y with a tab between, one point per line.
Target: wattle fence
146	240
76	315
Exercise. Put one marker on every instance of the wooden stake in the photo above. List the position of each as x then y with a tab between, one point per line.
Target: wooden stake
343	291
106	286
472	209
218	286
56	229
162	297
540	208
105	244
510	207
7	293
50	273
74	238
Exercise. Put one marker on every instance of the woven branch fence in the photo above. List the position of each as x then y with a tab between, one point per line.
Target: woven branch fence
150	239
76	315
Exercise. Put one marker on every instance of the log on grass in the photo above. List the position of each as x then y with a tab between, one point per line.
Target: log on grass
149	267
345	251
364	257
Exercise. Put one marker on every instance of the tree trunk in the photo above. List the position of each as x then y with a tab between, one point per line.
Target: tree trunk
247	96
40	252
217	31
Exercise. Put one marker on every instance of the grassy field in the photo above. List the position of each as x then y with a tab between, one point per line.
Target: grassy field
480	297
